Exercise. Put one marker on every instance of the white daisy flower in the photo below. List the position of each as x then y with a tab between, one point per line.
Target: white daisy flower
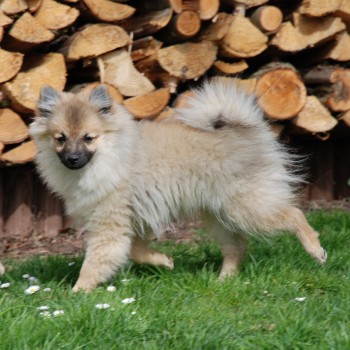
125	280
102	306
58	313
300	299
25	276
128	300
43	308
5	285
47	290
133	313
32	290
111	289
45	314
71	263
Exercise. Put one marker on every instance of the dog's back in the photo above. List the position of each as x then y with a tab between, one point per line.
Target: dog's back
219	152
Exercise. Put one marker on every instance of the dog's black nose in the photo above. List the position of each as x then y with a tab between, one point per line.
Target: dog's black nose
73	159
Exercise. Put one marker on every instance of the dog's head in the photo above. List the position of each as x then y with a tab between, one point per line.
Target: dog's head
73	123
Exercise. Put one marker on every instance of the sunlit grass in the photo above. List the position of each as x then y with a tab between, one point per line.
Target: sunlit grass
188	308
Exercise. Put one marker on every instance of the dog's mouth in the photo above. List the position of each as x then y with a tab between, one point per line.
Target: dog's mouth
75	161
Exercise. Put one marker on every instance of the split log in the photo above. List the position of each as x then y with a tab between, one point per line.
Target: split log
306	32
245	4
147	24
5	20
189	60
243	39
289	39
314	117
341	48
318	30
109	11
335	93
26	34
21	154
281	92
344	13
152	70
345	117
206	9
145	47
148	105
12	7
10	64
267	18
33	5
319	8
218	28
95	40
118	69
37	71
230	68
54	15
12	127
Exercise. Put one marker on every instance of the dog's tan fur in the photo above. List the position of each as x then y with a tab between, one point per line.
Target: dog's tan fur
218	157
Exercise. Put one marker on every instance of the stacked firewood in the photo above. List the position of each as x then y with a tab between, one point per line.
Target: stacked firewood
294	55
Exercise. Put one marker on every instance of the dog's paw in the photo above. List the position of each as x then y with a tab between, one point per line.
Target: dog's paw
323	257
169	262
2	269
83	287
320	255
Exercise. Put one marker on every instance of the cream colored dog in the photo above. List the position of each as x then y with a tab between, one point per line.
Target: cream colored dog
124	179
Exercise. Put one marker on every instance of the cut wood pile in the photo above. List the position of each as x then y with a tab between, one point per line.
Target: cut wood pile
294	55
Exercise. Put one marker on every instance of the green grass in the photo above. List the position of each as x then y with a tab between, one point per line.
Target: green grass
188	308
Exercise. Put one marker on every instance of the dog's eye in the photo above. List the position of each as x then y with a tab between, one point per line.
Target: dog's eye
61	139
88	139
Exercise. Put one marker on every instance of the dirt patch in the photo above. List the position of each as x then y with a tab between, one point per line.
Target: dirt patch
70	242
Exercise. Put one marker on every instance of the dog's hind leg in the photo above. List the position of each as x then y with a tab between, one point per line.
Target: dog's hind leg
296	222
2	269
233	246
141	253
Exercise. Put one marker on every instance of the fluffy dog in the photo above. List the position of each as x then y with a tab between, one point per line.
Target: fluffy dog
124	179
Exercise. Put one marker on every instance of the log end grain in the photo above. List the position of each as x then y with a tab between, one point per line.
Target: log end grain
281	93
149	105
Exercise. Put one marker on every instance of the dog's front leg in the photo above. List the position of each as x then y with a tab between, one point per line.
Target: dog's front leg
105	253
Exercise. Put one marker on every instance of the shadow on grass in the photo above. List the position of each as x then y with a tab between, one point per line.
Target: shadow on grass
277	254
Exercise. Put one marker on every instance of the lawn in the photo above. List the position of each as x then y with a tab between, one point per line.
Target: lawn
281	299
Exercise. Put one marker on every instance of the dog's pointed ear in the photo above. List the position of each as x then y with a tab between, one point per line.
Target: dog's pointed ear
49	97
101	99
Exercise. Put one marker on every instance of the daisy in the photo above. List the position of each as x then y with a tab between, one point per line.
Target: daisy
32	290
111	289
128	300
58	313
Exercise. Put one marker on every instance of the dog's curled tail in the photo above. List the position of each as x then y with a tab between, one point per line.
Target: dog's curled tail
220	103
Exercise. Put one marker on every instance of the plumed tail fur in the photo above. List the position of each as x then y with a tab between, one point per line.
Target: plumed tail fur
220	103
